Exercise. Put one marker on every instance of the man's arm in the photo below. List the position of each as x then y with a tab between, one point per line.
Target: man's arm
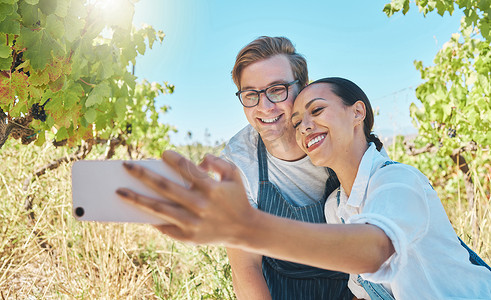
247	275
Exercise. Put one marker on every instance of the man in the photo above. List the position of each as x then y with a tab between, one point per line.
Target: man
279	178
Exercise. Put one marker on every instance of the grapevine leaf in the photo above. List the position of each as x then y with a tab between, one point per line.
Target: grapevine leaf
38	51
120	108
62	8
35	91
90	115
5	63
73	27
54	69
161	35
6	91
39	78
21	85
61	134
54	26
57	85
4	50
11	24
41	138
48	7
98	94
6	9
29	13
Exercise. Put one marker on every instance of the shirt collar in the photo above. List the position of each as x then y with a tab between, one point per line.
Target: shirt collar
365	170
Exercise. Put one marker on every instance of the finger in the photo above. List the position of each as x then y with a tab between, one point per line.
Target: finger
167	188
225	169
187	169
168	212
173	232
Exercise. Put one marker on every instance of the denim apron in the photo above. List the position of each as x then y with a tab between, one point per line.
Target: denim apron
377	291
287	280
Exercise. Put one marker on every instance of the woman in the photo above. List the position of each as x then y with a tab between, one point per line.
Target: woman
396	231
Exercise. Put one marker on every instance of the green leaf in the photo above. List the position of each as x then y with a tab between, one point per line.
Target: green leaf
5	51
98	94
90	115
73	27
5	63
120	108
48	7
62	8
41	138
37	47
54	26
11	24
6	9
30	14
61	134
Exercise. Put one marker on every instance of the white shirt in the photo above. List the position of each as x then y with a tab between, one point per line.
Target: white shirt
429	262
300	182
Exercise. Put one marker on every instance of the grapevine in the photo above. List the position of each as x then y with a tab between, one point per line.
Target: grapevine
62	80
454	114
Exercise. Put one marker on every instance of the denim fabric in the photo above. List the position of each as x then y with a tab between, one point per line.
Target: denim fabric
287	280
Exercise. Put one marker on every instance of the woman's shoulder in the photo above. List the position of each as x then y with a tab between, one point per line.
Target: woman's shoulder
391	172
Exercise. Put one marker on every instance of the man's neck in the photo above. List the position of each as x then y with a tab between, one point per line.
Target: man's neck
284	149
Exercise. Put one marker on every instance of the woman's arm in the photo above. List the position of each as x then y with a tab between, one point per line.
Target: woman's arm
247	275
217	212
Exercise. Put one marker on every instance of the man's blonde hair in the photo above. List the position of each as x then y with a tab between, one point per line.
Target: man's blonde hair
265	47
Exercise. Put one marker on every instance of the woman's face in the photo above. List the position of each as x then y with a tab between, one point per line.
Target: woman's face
325	127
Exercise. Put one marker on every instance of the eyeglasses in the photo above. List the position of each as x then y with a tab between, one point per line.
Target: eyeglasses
275	93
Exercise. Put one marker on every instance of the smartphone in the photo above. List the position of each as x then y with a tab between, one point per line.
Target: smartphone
94	185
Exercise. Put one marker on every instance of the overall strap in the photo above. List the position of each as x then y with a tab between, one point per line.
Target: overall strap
262	159
332	183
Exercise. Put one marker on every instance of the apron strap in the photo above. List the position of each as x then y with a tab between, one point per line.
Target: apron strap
262	159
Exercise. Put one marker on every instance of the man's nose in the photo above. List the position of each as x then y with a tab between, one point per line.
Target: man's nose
264	103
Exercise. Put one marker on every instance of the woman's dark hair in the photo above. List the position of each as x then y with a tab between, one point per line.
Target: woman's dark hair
350	93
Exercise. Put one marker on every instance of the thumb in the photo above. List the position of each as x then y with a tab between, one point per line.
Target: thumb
223	168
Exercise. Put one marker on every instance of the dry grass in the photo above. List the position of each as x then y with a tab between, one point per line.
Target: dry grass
58	257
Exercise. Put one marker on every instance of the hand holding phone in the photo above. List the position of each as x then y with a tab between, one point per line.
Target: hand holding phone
93	190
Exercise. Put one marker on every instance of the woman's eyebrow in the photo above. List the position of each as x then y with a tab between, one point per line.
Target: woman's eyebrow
311	101
307	105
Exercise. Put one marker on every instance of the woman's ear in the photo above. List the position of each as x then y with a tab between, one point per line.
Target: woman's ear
360	111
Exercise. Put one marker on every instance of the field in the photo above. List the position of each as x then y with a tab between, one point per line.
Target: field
51	255
45	253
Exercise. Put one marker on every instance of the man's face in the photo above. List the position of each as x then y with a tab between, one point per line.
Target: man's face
271	120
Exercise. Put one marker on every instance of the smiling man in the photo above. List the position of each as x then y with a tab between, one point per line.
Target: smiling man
278	177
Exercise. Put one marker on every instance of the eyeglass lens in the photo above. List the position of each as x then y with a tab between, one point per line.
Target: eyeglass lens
275	93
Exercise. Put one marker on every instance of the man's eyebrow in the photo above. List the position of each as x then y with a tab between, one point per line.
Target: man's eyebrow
270	84
307	105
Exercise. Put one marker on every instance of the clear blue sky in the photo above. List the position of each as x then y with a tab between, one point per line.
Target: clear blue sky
352	39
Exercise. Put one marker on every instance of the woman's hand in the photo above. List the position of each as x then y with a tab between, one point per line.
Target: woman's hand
206	212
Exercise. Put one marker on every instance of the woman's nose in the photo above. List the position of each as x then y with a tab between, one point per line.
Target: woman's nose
305	126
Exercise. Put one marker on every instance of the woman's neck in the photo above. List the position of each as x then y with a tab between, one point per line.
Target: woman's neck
347	167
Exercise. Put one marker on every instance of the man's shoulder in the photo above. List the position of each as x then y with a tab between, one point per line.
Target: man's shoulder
242	143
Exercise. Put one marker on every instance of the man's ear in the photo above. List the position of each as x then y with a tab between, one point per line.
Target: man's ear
360	111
